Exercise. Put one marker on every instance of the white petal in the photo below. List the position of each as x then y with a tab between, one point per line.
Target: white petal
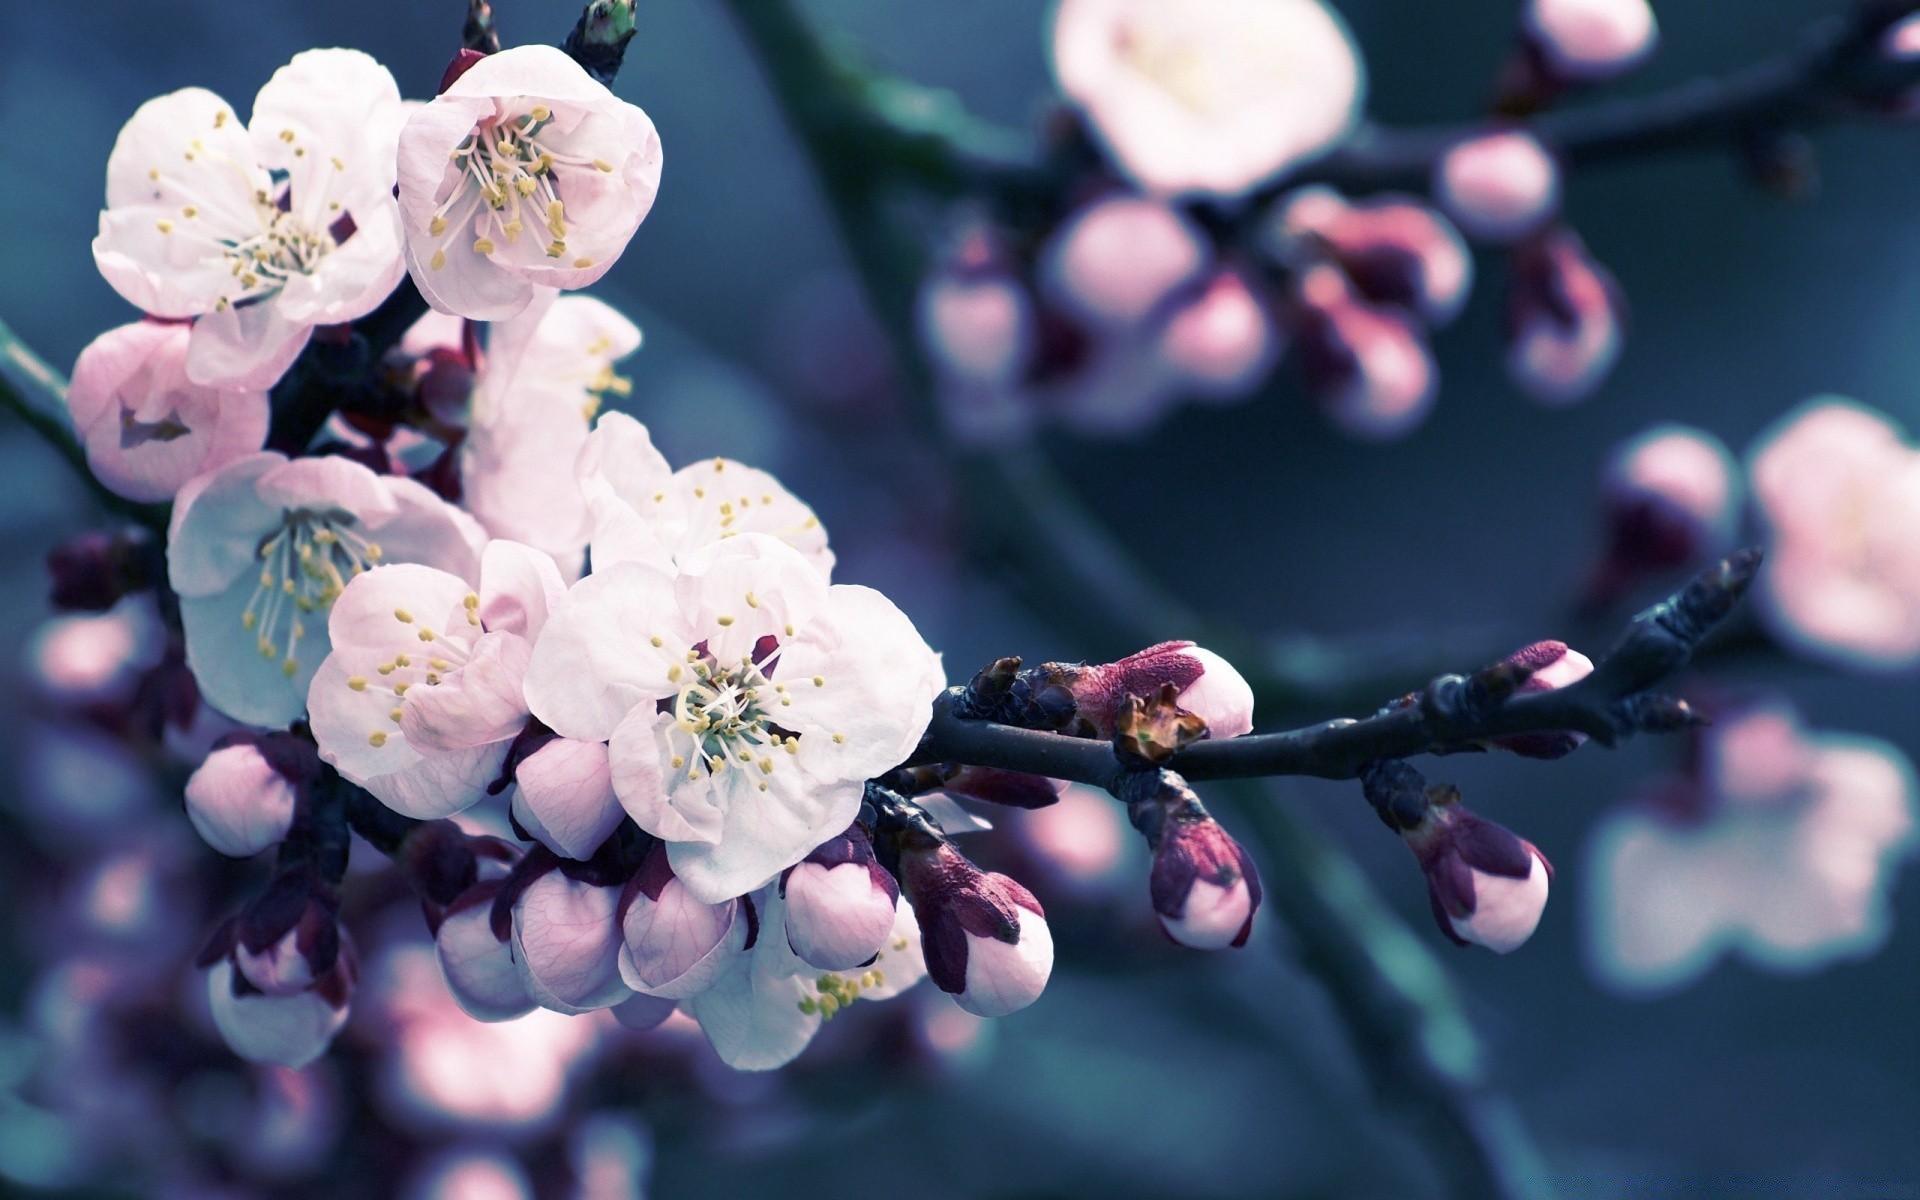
863	683
763	832
248	346
595	660
566	787
478	703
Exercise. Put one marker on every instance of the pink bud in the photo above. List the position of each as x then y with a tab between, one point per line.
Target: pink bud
478	966
672	944
1221	342
1487	885
1396	251
1565	320
1555	665
1672	499
566	943
984	936
840	903
978	326
1119	258
290	1030
1585	41
564	797
238	802
1205	887
1209	688
278	969
1368	367
1498	186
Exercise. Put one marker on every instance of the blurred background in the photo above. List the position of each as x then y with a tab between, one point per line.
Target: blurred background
1142	1071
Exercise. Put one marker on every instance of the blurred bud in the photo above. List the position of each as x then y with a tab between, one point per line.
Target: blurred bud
1011	788
471	1175
1205	684
1368	367
1565	319
1120	258
290	1030
1586	41
1221	342
1672	500
1487	886
1205	887
564	798
984	936
975	316
1498	186
478	966
566	942
1551	665
673	945
840	903
242	798
93	570
1394	250
109	659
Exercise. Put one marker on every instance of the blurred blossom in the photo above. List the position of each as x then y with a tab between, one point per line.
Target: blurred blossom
147	427
975	315
1208	95
1565	319
1498	186
1118	259
1671	497
1082	841
1394	250
294	1120
1837	488
1585	41
84	659
472	1175
1780	846
1368	367
445	1068
1222	340
612	1156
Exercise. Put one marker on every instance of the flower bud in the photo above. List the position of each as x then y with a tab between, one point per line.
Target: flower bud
290	1030
1118	259
242	798
478	966
1209	688
840	903
1205	887
564	798
1586	41
1565	320
1498	186
1395	251
1672	500
1554	665
975	316
1220	342
984	936
566	943
1487	885
1368	367
673	945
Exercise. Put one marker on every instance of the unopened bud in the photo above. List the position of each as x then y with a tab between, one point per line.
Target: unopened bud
984	936
566	943
976	318
1205	887
1586	41
1221	341
1205	684
1672	500
565	799
1395	250
478	966
1117	260
1487	886
290	1030
1551	665
1566	320
1368	366
672	944
242	798
1498	186
840	903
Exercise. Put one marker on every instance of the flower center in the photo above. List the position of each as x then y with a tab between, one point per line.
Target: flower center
723	716
283	248
509	188
835	990
304	566
439	658
1209	77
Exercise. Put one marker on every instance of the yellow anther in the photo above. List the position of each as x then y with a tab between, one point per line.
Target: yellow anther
425	635
601	164
385	668
164	225
678	762
512	231
437	226
432	679
483	246
290	667
403	616
337	164
657	643
189	212
751	602
724	620
248	620
556	249
358	683
526	186
220	118
839	739
286	135
372	552
673	673
541	112
582	263
438	260
819	681
439	664
766	766
402	660
377	738
400	689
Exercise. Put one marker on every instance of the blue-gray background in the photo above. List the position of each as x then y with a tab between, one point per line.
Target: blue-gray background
1746	1084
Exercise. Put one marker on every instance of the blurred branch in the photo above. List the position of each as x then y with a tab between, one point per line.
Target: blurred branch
37	394
1453	713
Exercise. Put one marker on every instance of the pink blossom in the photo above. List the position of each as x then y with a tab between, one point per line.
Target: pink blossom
1585	41
478	966
1565	320
1369	367
1205	887
240	800
1220	342
1394	250
1498	186
566	944
1206	685
673	945
840	903
1118	259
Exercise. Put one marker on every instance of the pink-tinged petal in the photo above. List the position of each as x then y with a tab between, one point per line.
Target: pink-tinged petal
741	589
863	682
519	586
675	946
631	493
1221	697
762	1013
1002	977
479	702
762	832
567	944
290	1031
1121	258
1585	41
1499	186
640	775
1222	342
380	612
247	346
642	1012
595	660
479	967
1369	366
978	329
238	803
838	917
722	499
1505	910
343	110
328	481
565	796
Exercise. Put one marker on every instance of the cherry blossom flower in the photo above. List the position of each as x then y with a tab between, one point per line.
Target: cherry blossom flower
261	231
1394	250
985	937
746	701
1368	366
1498	186
524	173
641	510
148	428
241	799
1566	319
1837	487
259	551
421	694
1208	96
840	903
1780	847
1488	887
1586	41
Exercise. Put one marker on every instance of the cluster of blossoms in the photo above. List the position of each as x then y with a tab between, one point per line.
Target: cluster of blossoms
1183	264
